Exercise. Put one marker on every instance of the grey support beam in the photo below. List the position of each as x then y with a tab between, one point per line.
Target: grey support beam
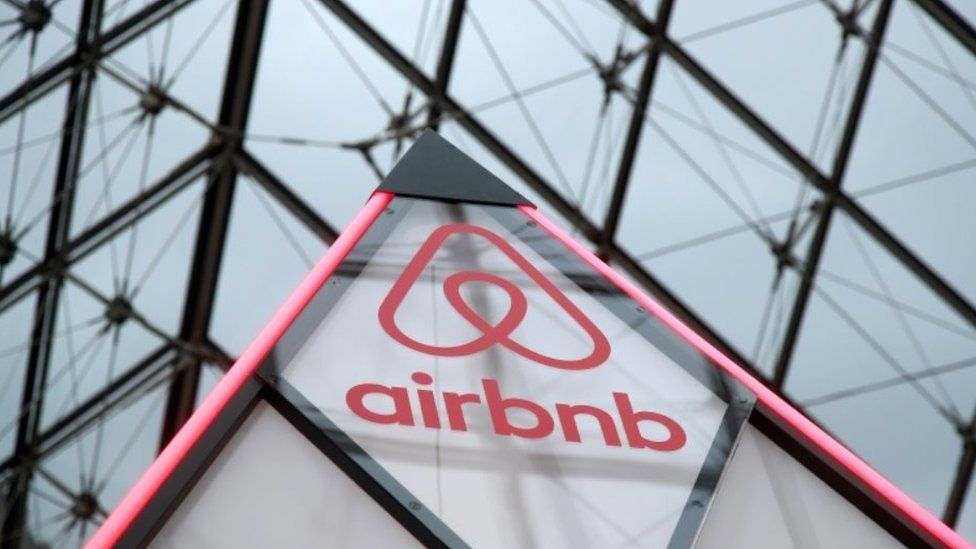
285	196
636	127
215	214
952	22
962	480
808	270
446	61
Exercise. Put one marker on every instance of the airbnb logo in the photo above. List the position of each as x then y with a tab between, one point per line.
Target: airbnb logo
509	416
499	333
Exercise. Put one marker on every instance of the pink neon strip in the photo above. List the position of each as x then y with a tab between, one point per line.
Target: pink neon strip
139	496
874	480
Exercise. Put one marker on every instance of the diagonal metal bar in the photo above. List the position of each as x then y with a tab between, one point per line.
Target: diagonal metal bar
815	252
215	214
807	169
246	163
173	183
446	62
13	530
963	478
634	130
951	21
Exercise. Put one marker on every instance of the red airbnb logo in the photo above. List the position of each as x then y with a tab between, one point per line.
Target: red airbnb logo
397	405
491	334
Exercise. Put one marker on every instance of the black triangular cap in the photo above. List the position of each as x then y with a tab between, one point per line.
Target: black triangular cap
435	169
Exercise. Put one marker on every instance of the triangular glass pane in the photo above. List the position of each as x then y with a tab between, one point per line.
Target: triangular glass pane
786	60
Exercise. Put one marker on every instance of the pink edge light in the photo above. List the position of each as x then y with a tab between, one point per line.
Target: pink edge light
135	501
871	478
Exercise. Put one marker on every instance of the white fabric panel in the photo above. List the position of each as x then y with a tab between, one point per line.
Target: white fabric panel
270	487
766	499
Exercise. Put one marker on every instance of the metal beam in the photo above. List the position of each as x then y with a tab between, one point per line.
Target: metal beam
951	21
446	62
962	480
14	529
246	163
808	270
215	214
636	127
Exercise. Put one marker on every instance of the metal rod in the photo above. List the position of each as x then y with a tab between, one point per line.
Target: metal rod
951	21
446	62
815	252
246	163
215	213
636	127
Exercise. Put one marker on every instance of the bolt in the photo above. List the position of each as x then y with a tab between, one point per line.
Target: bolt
84	506
34	16
8	249
118	311
153	100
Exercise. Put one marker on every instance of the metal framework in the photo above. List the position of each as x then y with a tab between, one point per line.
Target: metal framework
175	364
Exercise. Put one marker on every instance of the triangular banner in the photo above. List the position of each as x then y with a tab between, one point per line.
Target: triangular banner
457	371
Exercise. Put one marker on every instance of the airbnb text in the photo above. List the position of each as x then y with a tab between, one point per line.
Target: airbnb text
398	410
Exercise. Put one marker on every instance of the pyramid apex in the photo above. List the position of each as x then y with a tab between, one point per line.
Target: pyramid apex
433	168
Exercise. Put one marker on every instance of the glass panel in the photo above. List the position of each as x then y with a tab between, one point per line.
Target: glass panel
861	355
335	138
789	61
563	427
77	485
268	252
535	81
708	203
31	142
912	165
16	323
34	36
127	150
184	57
